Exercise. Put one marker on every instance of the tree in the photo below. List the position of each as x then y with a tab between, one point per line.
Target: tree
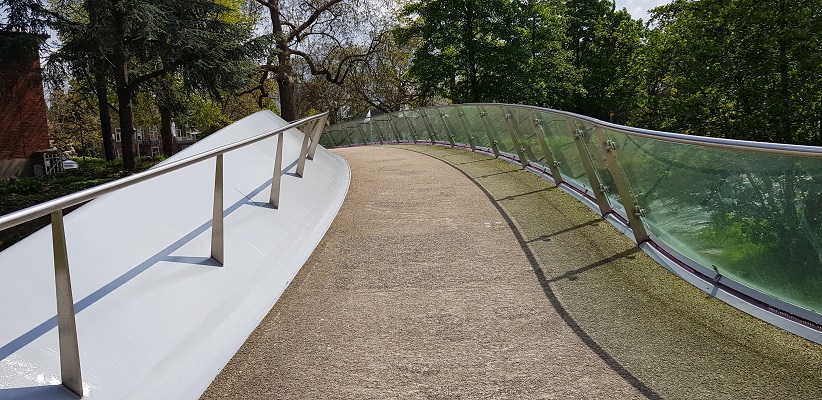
605	44
316	32
463	53
545	75
128	43
73	121
380	82
490	50
745	69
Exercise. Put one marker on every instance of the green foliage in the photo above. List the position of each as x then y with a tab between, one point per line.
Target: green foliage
605	44
743	69
470	47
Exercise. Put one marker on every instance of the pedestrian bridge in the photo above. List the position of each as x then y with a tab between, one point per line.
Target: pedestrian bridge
446	274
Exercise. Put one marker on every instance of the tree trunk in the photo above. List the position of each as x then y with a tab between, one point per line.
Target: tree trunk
124	92
165	132
285	71
101	90
126	114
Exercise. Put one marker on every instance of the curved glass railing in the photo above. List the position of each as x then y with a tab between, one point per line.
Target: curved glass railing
746	216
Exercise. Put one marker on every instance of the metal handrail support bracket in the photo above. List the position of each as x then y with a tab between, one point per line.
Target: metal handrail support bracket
633	212
546	151
509	117
66	324
307	130
599	195
379	131
488	132
217	238
428	126
394	128
447	129
274	199
348	137
315	136
362	134
411	127
467	132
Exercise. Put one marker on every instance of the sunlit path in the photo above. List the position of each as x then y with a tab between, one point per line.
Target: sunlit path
384	309
425	287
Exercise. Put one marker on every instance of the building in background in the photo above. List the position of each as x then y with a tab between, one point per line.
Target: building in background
23	125
148	143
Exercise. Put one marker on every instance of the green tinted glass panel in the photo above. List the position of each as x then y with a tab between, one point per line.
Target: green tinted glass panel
401	123
522	122
340	137
418	125
495	118
433	123
559	139
755	217
453	125
471	117
367	132
384	129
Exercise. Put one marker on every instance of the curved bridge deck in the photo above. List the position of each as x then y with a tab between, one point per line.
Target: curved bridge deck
448	274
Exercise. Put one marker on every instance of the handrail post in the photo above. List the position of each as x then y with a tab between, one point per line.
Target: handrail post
379	131
596	187
348	136
511	131
491	139
428	126
632	210
549	157
362	133
394	128
447	129
411	127
315	137
465	129
66	324
274	199
217	238
308	128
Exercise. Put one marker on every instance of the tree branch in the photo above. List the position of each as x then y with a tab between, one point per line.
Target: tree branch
313	17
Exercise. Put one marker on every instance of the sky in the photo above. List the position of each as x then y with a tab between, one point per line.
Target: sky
639	8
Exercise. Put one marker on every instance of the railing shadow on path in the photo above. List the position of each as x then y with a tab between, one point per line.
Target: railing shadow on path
545	284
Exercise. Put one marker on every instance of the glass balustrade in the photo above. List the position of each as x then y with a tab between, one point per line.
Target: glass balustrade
749	215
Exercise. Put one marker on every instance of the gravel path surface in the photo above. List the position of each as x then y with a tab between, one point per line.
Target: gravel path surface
451	275
420	290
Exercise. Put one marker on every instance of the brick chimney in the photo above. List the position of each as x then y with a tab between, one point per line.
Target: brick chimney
23	123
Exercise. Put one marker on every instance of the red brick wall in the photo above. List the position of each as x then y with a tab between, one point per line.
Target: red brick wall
23	125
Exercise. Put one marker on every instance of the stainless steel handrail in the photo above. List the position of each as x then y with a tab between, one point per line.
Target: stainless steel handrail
39	210
735	144
66	326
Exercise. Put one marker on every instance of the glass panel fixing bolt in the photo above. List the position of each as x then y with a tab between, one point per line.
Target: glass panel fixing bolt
609	145
639	212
